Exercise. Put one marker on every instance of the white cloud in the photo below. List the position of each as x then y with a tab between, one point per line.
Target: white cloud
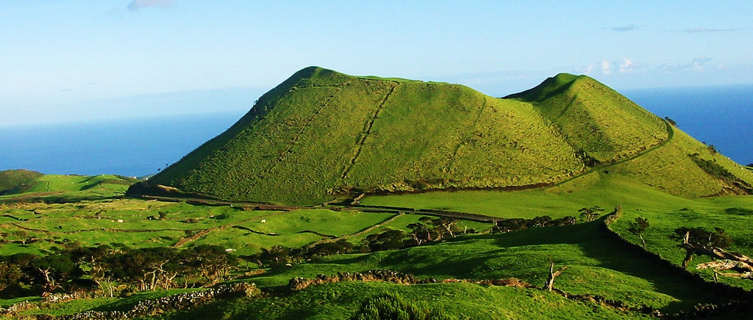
625	28
606	67
698	63
139	4
626	65
588	69
708	30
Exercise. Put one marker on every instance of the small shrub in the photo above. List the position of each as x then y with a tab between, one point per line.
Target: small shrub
390	306
739	211
700	237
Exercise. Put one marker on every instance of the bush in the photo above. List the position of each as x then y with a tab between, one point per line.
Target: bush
700	237
390	306
719	172
139	269
518	224
388	240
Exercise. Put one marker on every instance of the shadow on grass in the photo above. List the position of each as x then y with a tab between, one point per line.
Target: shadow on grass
517	254
520	254
613	254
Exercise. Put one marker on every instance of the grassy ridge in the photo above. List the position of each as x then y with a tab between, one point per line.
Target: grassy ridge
322	134
62	188
594	118
431	136
17	181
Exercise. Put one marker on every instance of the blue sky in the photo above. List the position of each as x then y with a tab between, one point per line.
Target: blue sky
62	60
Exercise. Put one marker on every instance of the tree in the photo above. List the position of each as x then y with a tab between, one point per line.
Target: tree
275	256
10	275
638	228
212	262
420	232
509	225
699	241
549	285
388	240
448	225
714	244
590	214
100	276
672	122
341	246
54	271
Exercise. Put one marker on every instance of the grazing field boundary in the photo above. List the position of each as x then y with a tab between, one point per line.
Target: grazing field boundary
719	289
428	212
298	135
355	234
204	232
366	132
670	136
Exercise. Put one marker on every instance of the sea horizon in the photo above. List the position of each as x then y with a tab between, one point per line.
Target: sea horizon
141	146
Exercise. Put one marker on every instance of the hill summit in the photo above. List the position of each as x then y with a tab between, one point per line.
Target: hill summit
322	135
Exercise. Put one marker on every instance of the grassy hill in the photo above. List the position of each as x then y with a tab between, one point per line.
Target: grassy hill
17	181
595	119
322	135
26	186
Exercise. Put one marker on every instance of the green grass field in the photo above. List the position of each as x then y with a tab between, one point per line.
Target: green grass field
597	264
455	301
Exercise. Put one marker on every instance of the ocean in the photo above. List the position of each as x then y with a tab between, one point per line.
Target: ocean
722	116
131	147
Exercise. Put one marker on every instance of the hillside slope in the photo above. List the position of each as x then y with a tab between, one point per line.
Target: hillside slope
595	119
17	181
321	135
